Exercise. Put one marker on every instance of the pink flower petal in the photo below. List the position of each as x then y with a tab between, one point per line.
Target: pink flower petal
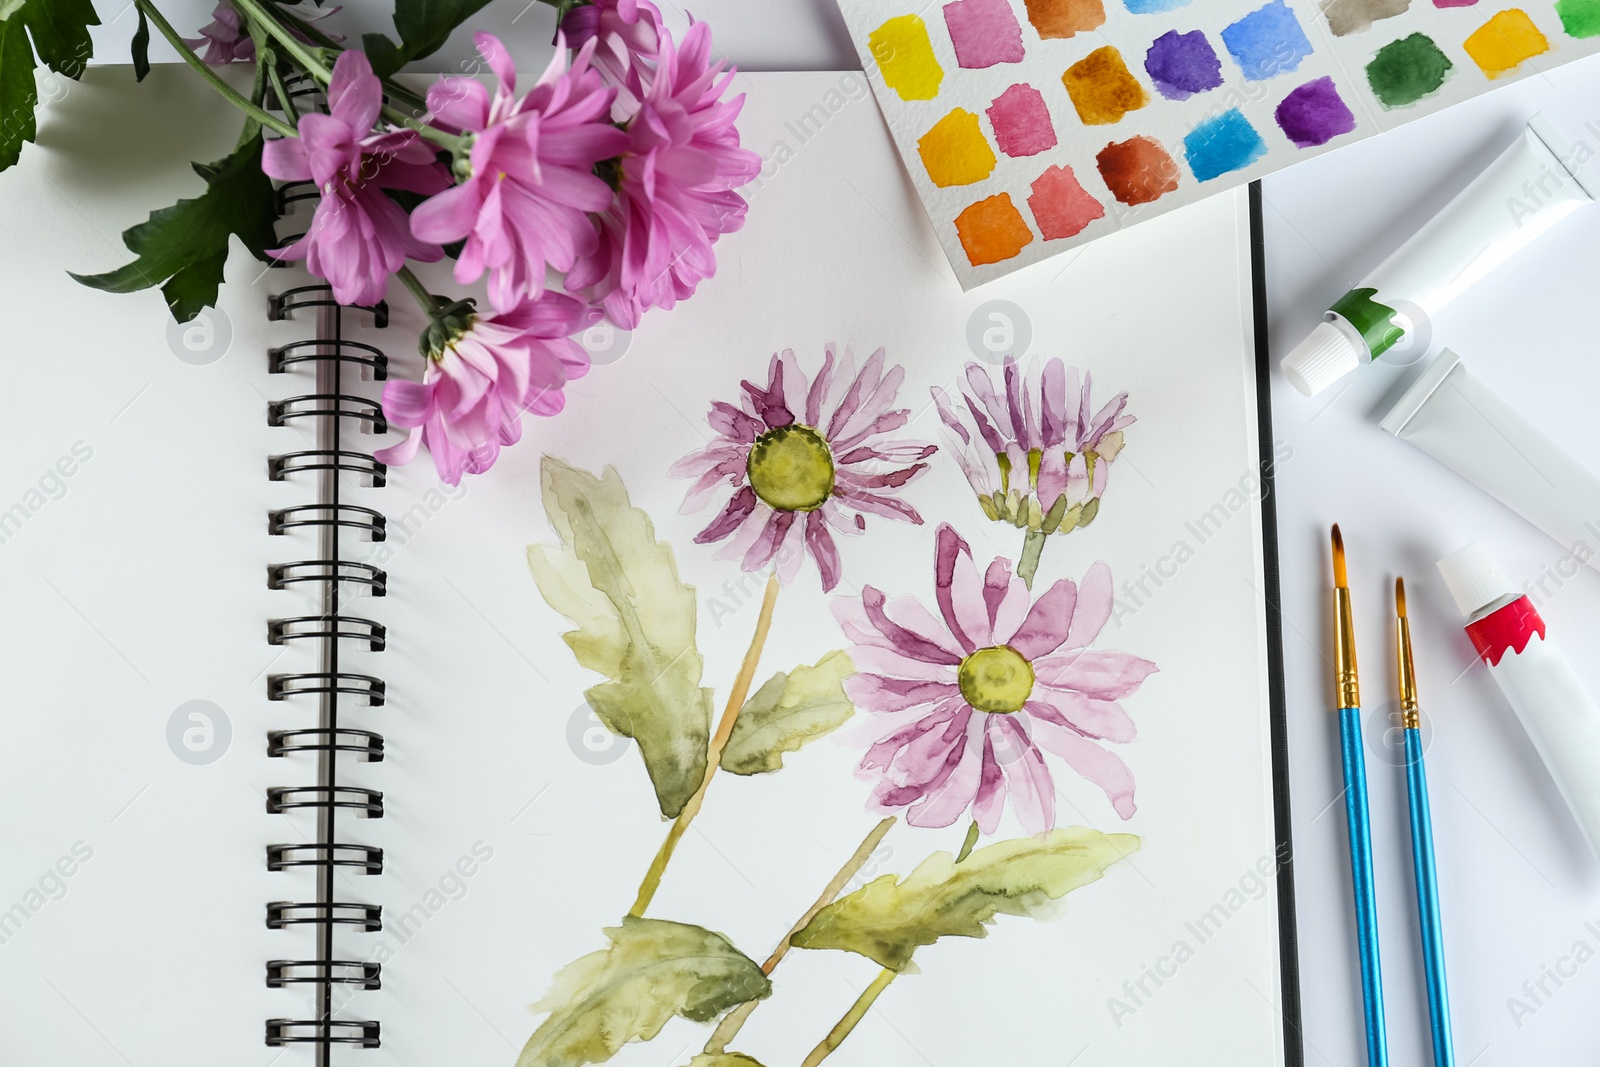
1033	795
1048	622
1096	672
1095	600
1091	716
1091	761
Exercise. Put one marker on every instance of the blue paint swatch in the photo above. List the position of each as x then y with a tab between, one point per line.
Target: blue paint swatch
1267	42
1151	7
1222	144
1182	64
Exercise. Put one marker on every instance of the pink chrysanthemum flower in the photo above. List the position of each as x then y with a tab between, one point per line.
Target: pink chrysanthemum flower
1035	451
526	202
806	459
969	698
630	35
675	191
358	236
225	39
484	374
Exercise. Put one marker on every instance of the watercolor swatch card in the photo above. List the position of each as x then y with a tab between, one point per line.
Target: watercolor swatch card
1032	126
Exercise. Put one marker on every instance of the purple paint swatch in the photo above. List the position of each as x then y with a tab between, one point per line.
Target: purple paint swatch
1314	114
1454	3
1021	122
984	32
1182	64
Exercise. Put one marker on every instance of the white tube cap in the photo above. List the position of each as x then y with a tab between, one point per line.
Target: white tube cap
1322	358
1474	578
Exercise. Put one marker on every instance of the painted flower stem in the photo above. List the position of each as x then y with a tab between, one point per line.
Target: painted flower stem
734	1020
719	740
1032	549
858	1010
226	91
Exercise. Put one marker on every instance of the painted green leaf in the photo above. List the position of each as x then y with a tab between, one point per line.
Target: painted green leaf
887	920
182	248
636	624
792	709
724	1059
652	971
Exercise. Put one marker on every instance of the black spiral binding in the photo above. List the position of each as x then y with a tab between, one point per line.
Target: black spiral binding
336	414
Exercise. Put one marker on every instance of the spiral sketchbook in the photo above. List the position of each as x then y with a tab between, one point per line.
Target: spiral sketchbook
310	760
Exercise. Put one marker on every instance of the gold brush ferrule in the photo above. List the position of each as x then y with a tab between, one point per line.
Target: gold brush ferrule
1410	718
1344	651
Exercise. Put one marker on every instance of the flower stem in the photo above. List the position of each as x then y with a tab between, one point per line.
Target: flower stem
226	91
730	1025
730	714
858	1010
428	302
279	89
847	1023
458	146
1032	549
269	21
971	839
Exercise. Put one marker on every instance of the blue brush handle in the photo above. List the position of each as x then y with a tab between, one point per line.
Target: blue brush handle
1428	901
1355	809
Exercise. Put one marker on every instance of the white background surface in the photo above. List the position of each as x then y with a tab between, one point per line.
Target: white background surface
1518	885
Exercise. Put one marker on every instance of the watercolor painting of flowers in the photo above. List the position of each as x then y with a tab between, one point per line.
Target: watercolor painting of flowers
964	685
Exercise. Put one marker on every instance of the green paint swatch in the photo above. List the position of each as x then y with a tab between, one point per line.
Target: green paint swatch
1407	70
1579	18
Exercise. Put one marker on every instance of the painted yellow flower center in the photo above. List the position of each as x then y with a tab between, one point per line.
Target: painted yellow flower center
996	679
791	468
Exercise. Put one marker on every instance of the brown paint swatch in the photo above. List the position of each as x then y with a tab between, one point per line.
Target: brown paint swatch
1064	18
1137	170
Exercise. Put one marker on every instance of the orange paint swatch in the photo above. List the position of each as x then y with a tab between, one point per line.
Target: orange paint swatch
1102	89
1064	18
1501	44
992	230
955	152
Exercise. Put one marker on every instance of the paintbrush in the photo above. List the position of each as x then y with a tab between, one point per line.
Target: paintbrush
1428	919
1348	689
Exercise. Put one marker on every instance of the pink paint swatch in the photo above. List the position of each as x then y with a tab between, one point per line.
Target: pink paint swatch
1454	3
1061	206
1021	122
984	32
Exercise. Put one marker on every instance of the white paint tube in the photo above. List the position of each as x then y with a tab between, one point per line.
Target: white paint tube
1534	184
1560	716
1460	422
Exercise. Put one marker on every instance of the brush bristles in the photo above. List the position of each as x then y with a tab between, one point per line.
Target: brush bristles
1339	578
1400	597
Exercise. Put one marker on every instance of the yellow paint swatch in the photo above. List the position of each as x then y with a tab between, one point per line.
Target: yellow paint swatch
1501	44
905	58
1102	88
955	150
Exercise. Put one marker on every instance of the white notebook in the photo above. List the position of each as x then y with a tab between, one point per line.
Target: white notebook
135	555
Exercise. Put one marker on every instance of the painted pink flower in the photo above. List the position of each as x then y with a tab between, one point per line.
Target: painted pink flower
806	458
358	236
968	699
675	192
630	35
1035	450
487	371
532	182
